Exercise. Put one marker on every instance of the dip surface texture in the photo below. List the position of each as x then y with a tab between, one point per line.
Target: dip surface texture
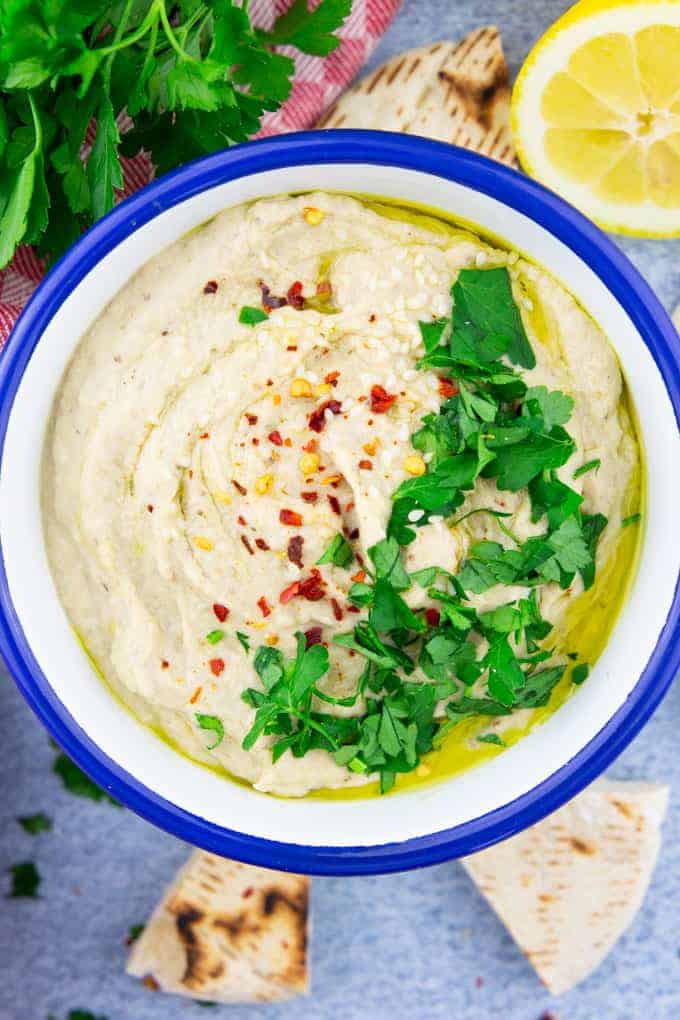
199	463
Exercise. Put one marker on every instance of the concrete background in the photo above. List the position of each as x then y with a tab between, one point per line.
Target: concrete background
421	945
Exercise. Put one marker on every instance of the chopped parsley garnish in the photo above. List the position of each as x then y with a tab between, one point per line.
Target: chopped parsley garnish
214	636
580	673
426	669
35	824
243	639
211	722
25	880
339	552
77	783
590	465
250	316
134	931
491	738
633	519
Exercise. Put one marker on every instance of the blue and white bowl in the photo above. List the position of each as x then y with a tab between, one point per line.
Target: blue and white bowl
403	830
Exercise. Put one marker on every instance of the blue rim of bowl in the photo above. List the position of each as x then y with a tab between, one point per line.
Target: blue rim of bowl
379	149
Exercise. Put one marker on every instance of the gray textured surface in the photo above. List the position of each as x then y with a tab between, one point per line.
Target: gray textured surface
421	946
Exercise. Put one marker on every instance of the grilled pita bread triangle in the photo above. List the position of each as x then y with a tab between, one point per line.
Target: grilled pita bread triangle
227	932
568	887
454	92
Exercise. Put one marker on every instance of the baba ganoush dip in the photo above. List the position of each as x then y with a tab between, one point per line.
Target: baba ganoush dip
325	485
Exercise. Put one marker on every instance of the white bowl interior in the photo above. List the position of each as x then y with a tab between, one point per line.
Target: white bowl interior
374	821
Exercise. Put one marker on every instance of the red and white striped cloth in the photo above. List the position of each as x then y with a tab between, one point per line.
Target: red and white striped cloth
318	81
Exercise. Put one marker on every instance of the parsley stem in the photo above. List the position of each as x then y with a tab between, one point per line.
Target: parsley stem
170	34
133	37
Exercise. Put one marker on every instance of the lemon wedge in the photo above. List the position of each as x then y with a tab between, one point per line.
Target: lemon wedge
596	113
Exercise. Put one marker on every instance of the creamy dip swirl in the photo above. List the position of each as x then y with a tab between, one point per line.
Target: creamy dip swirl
197	467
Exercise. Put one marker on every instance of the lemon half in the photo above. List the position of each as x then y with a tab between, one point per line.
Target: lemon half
596	113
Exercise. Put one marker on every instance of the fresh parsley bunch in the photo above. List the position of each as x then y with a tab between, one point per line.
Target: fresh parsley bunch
194	76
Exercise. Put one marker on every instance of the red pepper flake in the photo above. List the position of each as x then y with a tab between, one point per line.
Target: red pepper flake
247	893
372	317
252	419
350	506
220	611
239	488
290	517
261	544
381	400
447	388
295	550
312	588
289	593
294	295
313	636
287	442
164	664
310	447
216	666
432	616
352	609
264	606
255	441
241	520
360	559
335	505
291	347
310	497
270	300
149	507
210	287
337	611
275	438
317	419
366	465
359	576
354	534
195	696
150	982
332	378
247	545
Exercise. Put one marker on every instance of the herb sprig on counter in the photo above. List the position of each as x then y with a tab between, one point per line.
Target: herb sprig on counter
194	76
427	669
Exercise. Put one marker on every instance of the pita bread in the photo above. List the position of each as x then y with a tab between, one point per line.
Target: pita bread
567	888
227	932
454	92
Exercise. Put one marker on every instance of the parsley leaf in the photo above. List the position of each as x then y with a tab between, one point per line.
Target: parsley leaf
79	784
214	636
555	407
244	640
485	308
211	722
580	673
491	738
25	880
250	316
590	465
311	31
339	552
35	824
